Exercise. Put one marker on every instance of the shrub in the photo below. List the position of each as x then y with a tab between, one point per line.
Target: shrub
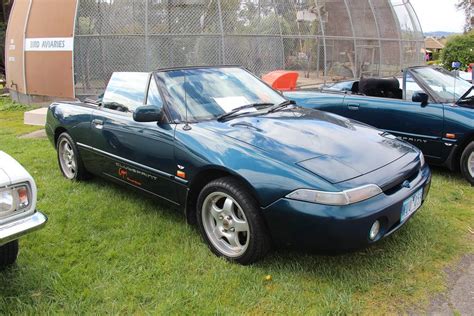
459	48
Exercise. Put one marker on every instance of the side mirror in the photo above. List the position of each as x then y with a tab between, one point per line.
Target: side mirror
148	113
420	97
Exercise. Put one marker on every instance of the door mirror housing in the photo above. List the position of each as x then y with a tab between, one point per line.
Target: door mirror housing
148	113
420	97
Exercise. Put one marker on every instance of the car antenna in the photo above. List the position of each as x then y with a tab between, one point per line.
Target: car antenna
186	126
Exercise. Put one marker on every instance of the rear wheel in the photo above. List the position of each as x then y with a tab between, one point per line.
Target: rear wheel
69	159
8	253
467	163
230	222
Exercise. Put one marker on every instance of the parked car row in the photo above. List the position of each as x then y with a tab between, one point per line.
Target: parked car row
253	168
248	166
428	107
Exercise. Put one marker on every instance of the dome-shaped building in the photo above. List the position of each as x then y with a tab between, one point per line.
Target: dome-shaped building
72	47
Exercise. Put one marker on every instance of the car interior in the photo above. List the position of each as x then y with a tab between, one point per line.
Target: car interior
376	87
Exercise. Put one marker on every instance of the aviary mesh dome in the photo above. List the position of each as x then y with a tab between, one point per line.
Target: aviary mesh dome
322	39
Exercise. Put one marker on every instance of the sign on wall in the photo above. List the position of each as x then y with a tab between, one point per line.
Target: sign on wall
52	44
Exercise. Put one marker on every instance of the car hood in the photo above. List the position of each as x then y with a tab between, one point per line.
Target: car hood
11	171
330	146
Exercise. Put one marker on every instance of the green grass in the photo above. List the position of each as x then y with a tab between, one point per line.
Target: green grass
110	250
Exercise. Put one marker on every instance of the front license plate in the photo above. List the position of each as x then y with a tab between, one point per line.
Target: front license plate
411	204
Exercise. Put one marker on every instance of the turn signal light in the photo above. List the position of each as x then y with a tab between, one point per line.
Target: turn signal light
181	174
23	197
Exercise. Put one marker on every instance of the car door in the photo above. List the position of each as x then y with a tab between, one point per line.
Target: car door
418	124
135	153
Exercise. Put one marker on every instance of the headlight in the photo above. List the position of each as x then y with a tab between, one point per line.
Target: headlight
14	199
6	201
336	198
422	160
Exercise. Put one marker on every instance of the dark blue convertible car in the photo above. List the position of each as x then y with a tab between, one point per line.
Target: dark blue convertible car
246	165
428	107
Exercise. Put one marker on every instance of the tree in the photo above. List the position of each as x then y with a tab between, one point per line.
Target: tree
5	8
459	48
466	6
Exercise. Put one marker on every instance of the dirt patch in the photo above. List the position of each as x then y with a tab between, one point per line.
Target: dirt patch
459	299
36	134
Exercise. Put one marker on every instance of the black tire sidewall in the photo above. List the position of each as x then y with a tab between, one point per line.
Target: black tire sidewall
464	162
259	240
9	253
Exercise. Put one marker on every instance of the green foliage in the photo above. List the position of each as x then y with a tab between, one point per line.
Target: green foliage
7	104
109	250
459	48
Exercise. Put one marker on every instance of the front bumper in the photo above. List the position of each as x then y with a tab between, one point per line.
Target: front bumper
17	228
314	226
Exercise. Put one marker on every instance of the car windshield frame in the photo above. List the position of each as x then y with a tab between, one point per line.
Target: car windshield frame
212	91
443	85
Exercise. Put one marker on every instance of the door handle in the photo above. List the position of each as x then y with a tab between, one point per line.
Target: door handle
353	106
99	124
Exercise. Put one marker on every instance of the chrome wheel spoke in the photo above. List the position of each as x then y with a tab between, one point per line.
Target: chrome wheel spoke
228	207
234	240
217	232
240	225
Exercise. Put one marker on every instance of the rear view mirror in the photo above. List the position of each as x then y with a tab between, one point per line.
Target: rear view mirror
148	113
420	97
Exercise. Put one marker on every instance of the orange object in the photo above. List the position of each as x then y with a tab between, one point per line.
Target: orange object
451	136
471	66
281	79
181	174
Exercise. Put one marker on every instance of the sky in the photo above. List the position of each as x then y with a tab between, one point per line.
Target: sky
439	15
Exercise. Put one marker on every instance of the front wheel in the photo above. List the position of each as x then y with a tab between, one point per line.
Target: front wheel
467	163
69	160
8	253
230	222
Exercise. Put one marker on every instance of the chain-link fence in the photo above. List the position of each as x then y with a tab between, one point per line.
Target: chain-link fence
322	39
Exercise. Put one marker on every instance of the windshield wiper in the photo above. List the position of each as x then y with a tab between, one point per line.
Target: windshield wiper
464	96
224	116
281	105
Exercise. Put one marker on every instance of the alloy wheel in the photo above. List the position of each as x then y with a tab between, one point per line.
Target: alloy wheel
67	158
225	224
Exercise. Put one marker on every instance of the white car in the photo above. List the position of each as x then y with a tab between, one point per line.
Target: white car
18	214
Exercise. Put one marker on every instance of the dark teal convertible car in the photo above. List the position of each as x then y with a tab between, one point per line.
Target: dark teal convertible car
249	167
428	107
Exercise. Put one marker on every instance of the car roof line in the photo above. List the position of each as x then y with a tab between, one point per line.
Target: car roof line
196	67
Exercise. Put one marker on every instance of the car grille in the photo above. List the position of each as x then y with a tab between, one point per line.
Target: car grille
395	185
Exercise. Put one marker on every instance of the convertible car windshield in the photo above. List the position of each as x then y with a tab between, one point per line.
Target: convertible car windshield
447	87
210	93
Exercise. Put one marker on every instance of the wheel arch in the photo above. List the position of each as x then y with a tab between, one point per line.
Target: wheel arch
58	131
202	178
460	149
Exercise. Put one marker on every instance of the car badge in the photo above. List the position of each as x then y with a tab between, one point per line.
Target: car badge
406	184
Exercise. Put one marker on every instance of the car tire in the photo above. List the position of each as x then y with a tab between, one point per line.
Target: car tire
230	222
467	163
69	159
8	253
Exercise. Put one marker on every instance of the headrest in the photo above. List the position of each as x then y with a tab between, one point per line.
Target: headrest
379	84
